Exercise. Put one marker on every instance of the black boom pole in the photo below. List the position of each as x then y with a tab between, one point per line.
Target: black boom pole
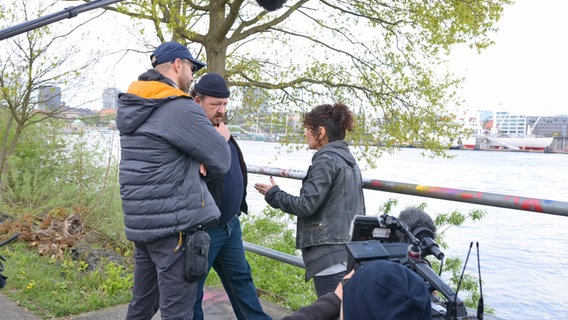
71	12
67	13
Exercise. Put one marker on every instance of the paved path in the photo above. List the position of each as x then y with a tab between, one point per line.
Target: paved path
216	306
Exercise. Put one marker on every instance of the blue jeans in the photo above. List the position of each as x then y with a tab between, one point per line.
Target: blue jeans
227	257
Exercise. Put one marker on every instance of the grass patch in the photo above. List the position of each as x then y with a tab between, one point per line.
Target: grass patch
62	285
55	288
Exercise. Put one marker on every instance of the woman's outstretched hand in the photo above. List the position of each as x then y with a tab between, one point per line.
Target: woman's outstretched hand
263	188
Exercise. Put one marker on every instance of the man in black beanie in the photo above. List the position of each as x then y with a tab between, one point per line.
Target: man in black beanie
226	251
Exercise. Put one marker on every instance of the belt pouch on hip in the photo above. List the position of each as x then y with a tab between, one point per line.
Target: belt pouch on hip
196	253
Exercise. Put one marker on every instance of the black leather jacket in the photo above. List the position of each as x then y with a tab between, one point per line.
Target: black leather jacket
331	195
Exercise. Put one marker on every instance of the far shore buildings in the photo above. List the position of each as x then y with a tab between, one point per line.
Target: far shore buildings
549	126
518	125
110	98
510	124
49	100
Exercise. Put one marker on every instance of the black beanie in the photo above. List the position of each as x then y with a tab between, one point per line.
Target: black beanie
213	85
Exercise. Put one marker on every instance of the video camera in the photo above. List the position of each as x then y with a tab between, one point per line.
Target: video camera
387	237
2	277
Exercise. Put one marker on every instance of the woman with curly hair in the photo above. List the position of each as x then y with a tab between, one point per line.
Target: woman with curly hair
331	195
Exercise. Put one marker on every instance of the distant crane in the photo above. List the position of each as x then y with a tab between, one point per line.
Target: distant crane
530	129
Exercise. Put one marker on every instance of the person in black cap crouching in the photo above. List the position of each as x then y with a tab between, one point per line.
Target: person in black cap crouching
167	144
377	290
226	251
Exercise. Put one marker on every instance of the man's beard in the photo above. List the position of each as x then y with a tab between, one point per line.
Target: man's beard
184	87
216	121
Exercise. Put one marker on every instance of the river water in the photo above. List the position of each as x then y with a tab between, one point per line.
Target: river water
523	255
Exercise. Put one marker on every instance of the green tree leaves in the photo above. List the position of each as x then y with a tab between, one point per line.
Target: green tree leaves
383	59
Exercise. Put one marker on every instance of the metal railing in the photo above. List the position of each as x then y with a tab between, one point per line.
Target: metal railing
475	197
274	254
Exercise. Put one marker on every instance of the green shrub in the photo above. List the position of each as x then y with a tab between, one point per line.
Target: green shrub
76	172
282	282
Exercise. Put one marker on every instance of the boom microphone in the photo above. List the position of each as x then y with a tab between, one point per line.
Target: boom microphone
423	228
271	5
419	222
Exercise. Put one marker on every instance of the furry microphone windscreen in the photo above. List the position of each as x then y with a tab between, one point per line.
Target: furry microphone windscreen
419	222
271	5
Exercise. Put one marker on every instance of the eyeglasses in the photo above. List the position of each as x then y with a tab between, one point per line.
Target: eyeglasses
193	66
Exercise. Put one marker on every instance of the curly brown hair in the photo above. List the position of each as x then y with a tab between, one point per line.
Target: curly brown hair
337	119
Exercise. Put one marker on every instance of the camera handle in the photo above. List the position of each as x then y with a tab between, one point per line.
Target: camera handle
12	238
2	277
426	244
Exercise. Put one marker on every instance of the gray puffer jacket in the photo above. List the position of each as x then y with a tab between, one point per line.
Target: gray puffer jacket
164	137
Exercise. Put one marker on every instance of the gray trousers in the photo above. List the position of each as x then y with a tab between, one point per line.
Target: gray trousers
159	282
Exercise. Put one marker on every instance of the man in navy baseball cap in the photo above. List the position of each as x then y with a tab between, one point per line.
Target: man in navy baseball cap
170	51
167	144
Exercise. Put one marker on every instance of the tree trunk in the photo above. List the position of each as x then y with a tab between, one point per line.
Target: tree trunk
216	44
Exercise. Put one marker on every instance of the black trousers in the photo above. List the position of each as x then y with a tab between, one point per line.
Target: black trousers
327	284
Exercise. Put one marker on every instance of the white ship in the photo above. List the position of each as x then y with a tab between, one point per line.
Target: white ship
492	138
511	143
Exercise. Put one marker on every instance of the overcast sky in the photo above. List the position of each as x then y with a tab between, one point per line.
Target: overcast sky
526	71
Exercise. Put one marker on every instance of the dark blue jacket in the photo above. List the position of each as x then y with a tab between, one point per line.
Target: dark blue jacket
216	186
